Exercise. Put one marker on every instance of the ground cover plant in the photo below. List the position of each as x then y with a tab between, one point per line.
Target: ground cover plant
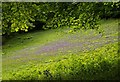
58	41
99	64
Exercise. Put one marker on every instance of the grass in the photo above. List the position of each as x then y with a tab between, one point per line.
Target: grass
21	41
21	44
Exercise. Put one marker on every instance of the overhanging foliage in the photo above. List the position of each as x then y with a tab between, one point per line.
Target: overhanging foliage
20	15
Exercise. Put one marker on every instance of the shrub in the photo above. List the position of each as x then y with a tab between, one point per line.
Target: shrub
101	64
21	16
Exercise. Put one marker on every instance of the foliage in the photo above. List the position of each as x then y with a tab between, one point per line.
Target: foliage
15	17
21	16
99	64
108	9
75	15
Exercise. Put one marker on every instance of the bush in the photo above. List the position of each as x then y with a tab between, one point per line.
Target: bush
101	64
108	9
21	16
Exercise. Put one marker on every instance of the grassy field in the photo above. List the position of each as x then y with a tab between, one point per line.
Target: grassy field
58	54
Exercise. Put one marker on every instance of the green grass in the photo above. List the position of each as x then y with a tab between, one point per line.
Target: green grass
20	41
30	69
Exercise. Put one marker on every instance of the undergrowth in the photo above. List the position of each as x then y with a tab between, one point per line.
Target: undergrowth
101	64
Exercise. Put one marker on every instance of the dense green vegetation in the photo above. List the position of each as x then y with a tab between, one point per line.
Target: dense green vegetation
57	41
19	16
99	64
103	67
